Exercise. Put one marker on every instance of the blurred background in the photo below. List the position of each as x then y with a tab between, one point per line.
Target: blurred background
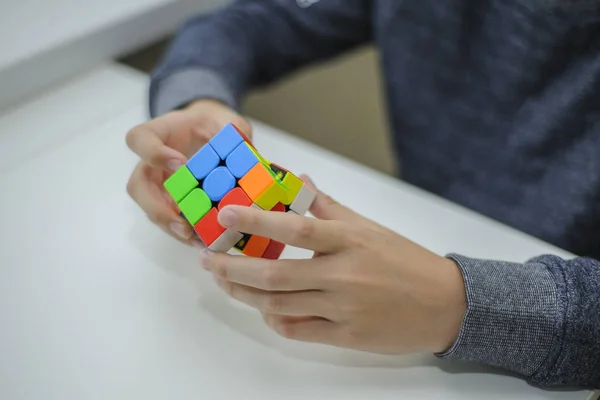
349	107
62	38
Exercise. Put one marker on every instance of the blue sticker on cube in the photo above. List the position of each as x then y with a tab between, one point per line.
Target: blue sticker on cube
241	160
226	141
203	162
218	183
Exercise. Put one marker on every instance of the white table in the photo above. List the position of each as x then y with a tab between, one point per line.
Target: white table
96	303
45	41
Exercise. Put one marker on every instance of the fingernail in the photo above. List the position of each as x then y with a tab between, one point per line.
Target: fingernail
174	165
168	198
179	229
228	217
205	259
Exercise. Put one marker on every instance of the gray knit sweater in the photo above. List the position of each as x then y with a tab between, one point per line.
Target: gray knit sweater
494	105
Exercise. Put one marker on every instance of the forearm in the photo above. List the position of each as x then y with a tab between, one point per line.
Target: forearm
253	42
540	319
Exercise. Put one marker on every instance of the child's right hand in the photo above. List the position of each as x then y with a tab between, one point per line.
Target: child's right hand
164	144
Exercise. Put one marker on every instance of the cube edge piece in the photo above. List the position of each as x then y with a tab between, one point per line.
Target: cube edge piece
194	160
203	233
252	239
247	203
221	142
232	162
293	187
183	205
172	181
272	195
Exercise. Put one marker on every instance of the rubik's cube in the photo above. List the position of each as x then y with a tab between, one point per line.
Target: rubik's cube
228	170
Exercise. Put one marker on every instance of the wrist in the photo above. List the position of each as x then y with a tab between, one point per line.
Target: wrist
451	314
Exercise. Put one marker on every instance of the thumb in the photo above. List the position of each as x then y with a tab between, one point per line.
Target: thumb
325	207
148	142
244	128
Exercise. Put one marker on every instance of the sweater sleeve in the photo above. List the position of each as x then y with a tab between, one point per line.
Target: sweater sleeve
540	319
249	43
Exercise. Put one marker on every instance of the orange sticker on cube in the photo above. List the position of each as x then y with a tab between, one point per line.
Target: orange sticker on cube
256	246
256	181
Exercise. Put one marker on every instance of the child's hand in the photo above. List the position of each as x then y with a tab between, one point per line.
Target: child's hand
366	288
163	145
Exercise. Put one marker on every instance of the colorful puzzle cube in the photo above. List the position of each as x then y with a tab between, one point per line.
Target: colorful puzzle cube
228	170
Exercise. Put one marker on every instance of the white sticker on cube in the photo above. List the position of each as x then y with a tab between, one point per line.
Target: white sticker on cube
226	241
303	200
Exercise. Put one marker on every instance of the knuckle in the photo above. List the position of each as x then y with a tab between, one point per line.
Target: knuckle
273	278
286	329
241	123
355	335
202	127
153	217
131	135
230	289
274	302
304	230
155	158
157	217
218	266
352	237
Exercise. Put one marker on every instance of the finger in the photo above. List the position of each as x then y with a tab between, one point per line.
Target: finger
193	241
270	275
148	142
144	192
289	318
284	303
327	208
243	127
309	329
288	228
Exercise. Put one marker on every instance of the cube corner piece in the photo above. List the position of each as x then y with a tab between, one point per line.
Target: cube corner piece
304	199
208	228
226	140
195	206
203	162
273	250
226	241
241	160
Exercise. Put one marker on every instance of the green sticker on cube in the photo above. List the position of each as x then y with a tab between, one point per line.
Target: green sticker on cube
180	184
195	206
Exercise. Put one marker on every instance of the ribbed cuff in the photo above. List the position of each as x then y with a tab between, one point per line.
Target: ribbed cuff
512	317
184	86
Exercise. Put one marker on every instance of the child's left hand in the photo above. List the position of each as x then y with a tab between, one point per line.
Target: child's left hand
366	288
